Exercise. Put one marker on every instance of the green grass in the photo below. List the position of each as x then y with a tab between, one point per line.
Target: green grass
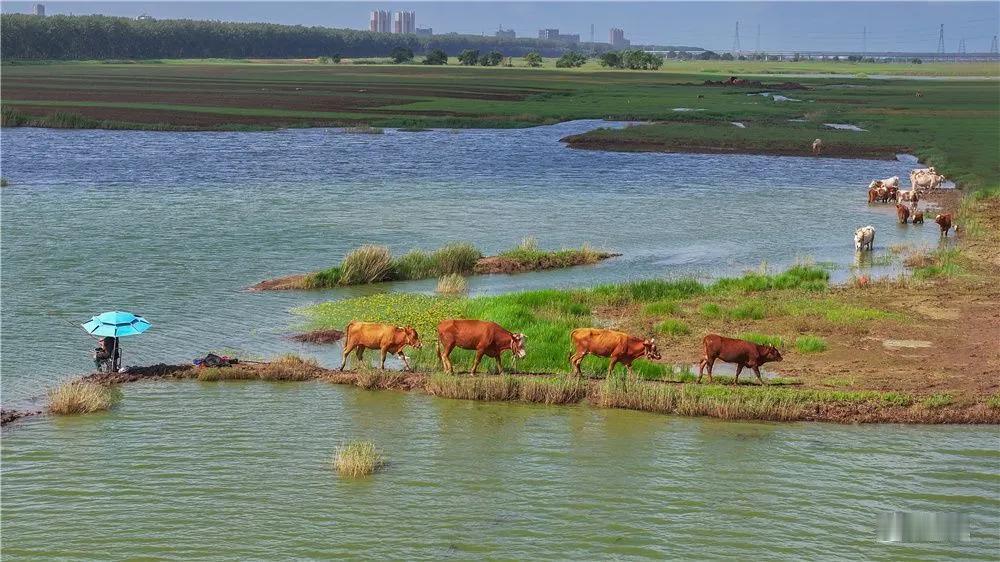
528	256
661	308
762	339
546	317
944	262
358	458
935	401
994	401
673	327
810	344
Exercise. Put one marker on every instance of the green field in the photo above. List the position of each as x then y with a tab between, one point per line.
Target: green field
952	123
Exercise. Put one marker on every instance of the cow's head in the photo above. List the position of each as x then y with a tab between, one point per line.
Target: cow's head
649	349
875	184
517	345
769	353
410	336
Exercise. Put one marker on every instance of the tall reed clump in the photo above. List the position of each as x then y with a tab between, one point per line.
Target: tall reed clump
552	390
357	458
82	397
288	367
543	390
368	264
452	284
528	256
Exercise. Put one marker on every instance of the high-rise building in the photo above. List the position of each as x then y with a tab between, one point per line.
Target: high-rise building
506	33
379	21
405	22
424	31
40	10
617	38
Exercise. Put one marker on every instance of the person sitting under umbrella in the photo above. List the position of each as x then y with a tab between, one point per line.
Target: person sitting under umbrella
107	353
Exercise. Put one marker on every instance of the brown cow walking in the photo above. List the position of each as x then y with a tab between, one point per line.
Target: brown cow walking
486	338
619	346
918	217
387	338
741	352
944	221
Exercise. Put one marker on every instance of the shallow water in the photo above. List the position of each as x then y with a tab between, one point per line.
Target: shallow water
241	471
175	225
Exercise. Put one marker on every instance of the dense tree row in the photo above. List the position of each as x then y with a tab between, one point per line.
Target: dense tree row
632	59
103	37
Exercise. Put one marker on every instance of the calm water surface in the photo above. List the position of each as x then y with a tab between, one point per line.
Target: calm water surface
175	225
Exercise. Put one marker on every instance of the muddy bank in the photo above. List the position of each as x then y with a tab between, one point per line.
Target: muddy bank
488	265
734	82
830	150
10	416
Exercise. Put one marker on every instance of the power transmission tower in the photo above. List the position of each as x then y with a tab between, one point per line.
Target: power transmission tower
993	46
961	47
736	40
757	48
940	48
864	41
591	33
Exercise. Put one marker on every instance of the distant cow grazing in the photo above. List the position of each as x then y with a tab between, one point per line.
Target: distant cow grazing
944	221
918	217
740	352
817	146
902	213
864	237
619	346
386	338
483	337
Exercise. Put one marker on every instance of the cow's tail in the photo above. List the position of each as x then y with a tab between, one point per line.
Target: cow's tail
437	353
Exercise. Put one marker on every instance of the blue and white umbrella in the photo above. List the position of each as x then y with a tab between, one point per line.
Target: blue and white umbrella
116	324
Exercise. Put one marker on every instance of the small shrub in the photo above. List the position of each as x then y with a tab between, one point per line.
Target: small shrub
456	258
710	310
749	311
357	458
994	401
367	264
673	327
810	344
82	397
452	284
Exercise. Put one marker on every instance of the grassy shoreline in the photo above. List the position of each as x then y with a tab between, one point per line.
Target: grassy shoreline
724	401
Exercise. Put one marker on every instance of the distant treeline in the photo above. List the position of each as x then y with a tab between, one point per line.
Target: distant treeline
28	37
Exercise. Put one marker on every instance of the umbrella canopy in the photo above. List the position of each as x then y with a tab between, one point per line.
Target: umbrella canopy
116	324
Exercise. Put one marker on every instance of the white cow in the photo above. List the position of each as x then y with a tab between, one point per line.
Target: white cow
817	146
864	237
926	178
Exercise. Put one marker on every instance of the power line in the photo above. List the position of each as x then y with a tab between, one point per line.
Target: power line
940	48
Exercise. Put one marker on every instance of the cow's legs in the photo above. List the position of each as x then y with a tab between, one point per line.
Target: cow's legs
479	357
739	369
710	362
756	371
406	364
382	353
446	357
575	359
701	368
631	375
611	366
348	348
499	360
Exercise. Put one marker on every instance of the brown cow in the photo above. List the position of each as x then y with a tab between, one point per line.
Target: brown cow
741	352
619	346
486	338
918	217
902	213
387	338
944	221
891	195
874	194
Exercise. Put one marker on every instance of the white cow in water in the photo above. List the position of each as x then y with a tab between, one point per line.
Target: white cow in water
817	146
889	182
925	178
864	237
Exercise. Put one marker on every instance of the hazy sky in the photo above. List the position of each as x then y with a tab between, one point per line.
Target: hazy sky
784	26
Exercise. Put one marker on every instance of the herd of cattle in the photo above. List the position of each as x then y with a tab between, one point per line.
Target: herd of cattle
887	191
491	339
